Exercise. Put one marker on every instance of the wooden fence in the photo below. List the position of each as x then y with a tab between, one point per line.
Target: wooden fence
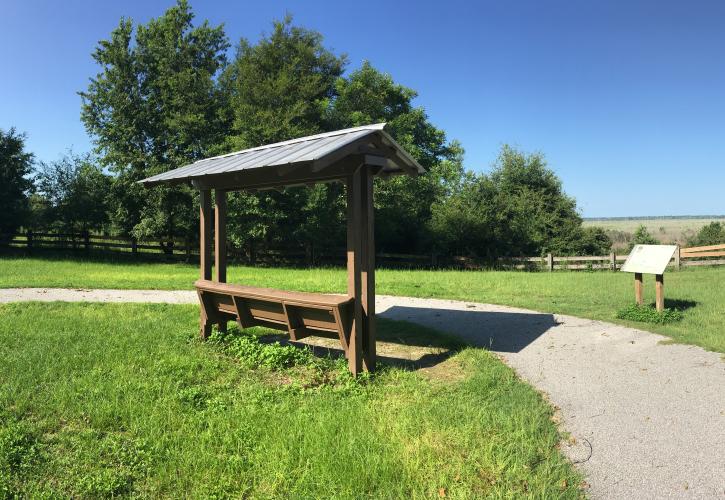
711	255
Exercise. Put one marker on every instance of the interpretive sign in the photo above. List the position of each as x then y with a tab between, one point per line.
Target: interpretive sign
649	259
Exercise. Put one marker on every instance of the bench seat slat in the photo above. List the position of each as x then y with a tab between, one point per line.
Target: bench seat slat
294	298
299	313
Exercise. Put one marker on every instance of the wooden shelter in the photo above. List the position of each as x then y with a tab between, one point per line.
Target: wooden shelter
354	156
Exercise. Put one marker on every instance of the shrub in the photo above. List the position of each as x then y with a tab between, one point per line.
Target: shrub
648	314
250	350
712	234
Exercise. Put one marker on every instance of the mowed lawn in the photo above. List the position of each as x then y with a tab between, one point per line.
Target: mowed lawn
105	400
699	292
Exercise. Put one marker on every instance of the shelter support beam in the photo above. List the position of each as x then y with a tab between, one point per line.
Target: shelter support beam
361	270
205	237
220	241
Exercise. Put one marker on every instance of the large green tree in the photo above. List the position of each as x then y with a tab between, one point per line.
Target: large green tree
711	234
155	105
403	203
15	185
280	88
72	194
518	209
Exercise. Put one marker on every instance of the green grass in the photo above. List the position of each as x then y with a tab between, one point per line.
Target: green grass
699	293
102	400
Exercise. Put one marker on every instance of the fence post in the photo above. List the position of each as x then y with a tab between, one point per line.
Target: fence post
134	245
29	238
677	258
87	240
613	261
550	261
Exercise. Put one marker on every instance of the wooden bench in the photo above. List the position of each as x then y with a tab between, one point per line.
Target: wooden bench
301	314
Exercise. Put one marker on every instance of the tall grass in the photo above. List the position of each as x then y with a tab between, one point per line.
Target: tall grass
101	400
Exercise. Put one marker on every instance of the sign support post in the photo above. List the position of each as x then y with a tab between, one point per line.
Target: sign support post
660	292
638	286
650	259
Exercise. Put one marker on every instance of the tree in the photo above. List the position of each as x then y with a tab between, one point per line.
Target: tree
75	194
587	241
15	185
518	209
280	87
403	204
155	105
711	234
277	89
642	237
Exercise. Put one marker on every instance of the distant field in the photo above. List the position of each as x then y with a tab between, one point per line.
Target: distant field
667	230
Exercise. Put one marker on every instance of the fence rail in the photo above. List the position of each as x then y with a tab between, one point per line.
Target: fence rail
327	256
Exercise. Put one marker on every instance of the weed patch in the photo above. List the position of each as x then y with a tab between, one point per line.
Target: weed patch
295	367
247	348
648	314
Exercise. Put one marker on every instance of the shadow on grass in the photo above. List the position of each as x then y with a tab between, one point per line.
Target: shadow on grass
679	304
420	337
400	344
96	256
495	330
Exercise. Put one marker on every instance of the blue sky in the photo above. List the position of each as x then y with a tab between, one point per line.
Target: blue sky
625	99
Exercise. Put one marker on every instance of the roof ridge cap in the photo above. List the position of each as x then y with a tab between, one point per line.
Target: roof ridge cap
372	126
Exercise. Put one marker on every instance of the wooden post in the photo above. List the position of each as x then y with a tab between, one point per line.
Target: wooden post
354	264
550	262
204	250
134	246
87	240
29	239
677	258
613	261
367	270
638	288
220	241
660	292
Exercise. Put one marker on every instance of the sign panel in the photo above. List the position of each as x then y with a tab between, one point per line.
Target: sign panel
649	259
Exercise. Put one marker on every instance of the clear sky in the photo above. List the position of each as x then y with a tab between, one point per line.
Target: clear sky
626	99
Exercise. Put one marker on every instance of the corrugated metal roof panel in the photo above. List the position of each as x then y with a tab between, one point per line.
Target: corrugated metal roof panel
303	149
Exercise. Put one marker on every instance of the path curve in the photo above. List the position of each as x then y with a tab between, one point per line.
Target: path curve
647	418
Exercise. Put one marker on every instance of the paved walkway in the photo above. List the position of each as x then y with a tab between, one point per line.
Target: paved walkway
648	419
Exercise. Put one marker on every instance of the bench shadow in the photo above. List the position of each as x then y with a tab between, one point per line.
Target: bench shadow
494	330
413	338
399	343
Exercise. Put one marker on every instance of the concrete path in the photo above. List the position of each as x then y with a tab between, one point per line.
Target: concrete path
647	419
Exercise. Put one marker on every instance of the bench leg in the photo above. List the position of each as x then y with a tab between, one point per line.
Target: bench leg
205	322
204	329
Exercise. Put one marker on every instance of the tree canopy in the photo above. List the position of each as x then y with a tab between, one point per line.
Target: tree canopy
154	106
168	93
711	234
15	184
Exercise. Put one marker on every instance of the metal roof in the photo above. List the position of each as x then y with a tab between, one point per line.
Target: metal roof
315	149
